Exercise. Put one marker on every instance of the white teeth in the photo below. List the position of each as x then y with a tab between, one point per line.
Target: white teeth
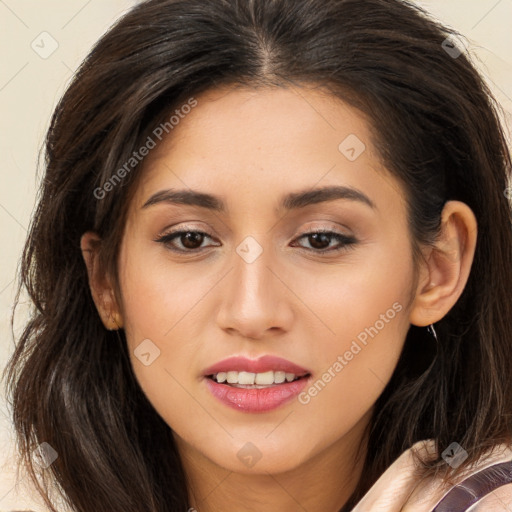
246	378
232	377
259	379
266	378
279	377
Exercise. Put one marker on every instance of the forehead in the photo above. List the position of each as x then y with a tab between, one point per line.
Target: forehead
224	118
250	142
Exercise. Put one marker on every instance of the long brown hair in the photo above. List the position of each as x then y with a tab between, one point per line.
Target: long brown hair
436	128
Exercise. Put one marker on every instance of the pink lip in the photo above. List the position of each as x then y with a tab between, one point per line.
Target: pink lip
252	399
256	400
261	365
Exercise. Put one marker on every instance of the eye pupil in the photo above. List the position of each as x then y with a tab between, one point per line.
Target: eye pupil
193	238
323	238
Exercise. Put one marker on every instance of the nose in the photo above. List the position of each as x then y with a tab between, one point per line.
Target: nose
256	299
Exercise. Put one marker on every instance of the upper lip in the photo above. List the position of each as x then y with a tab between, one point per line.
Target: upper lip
261	365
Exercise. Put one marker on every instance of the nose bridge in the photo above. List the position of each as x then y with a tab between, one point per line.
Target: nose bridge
251	273
254	300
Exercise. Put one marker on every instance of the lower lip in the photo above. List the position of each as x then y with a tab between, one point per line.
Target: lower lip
256	400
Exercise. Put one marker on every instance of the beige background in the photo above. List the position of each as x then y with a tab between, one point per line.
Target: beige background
31	84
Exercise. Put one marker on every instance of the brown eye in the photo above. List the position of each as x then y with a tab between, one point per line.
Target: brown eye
320	241
187	240
190	239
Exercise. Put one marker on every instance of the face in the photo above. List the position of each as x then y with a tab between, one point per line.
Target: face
246	274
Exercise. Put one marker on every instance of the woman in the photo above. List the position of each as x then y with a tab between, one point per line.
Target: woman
271	267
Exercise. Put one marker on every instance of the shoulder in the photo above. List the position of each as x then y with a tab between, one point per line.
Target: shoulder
486	486
400	489
499	500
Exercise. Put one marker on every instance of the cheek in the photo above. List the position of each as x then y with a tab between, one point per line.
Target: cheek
165	310
366	313
157	311
159	295
365	300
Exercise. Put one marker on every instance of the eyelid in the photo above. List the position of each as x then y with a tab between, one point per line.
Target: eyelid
322	228
186	227
329	227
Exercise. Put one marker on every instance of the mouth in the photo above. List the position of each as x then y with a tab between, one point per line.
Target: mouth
255	386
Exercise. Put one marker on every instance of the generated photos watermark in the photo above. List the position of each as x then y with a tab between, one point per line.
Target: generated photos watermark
147	352
44	455
137	156
454	455
249	454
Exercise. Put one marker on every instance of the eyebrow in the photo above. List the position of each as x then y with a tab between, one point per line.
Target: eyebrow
291	201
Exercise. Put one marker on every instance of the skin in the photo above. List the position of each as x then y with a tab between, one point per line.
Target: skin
250	147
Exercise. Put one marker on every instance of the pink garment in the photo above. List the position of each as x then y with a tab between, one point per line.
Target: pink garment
399	490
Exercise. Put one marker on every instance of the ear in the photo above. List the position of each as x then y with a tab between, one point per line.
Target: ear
446	266
101	289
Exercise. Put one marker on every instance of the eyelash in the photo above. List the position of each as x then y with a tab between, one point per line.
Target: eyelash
348	242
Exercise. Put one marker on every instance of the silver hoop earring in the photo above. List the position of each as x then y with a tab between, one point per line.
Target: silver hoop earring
432	331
